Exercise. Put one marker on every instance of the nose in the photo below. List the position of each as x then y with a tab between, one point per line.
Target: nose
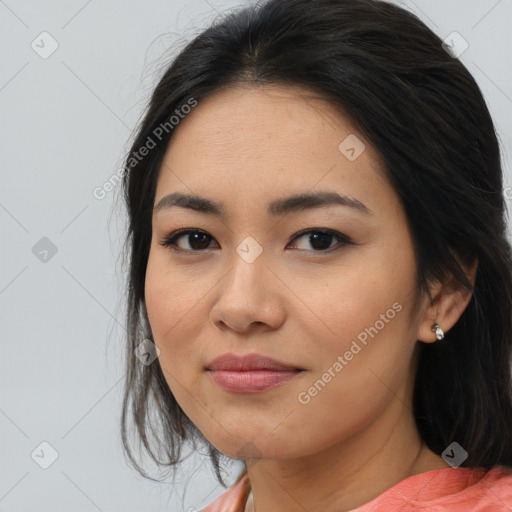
249	297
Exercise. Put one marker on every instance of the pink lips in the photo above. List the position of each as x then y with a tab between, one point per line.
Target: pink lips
249	374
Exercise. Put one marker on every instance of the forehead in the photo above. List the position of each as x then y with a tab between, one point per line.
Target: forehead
266	140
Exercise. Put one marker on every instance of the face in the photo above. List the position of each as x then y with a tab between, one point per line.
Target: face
325	287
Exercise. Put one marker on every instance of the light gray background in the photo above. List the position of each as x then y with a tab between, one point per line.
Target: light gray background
65	122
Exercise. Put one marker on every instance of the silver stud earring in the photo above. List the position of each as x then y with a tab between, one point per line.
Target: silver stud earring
438	331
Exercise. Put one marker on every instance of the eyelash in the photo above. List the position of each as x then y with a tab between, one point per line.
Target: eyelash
170	240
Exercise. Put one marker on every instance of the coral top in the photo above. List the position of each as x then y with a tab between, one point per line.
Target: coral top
440	490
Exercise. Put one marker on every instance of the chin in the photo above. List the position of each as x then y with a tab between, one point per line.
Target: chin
243	448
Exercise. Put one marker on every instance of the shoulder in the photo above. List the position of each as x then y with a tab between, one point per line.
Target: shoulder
233	499
494	489
487	491
450	489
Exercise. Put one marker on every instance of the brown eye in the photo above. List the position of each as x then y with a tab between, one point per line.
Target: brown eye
321	239
196	240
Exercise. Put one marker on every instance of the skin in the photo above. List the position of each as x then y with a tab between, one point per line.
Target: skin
244	147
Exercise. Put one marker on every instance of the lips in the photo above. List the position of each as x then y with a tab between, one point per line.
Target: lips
252	373
231	361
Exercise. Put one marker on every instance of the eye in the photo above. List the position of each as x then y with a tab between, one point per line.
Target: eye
196	238
199	240
321	239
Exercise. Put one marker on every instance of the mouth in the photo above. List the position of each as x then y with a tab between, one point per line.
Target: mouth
251	373
251	381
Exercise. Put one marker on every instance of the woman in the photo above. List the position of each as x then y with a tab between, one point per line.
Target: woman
368	373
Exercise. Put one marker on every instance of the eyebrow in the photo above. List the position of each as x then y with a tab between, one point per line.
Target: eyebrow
298	202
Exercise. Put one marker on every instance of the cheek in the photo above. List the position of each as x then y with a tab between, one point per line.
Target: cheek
171	295
365	300
166	308
176	308
363	340
360	366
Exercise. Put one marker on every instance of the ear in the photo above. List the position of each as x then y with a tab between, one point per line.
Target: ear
449	300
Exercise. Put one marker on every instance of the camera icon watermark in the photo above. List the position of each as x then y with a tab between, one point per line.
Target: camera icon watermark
147	352
454	455
455	44
352	147
44	455
44	45
249	249
44	250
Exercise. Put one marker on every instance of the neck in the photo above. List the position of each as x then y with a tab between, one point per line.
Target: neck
344	476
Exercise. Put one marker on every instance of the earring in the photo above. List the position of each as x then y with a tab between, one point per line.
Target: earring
439	332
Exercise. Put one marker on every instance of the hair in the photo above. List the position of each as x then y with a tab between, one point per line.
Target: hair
425	115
